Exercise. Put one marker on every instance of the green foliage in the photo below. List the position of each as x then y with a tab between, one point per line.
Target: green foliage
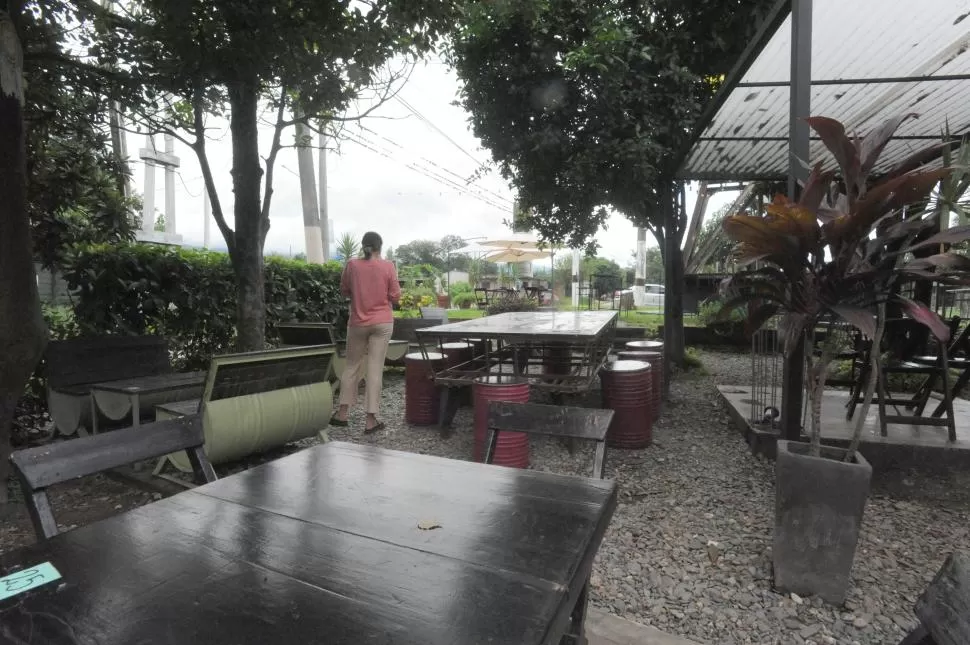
348	247
607	276
61	325
414	298
586	105
711	312
507	305
458	288
189	296
74	181
463	300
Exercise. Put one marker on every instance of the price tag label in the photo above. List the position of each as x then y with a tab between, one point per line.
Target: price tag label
27	579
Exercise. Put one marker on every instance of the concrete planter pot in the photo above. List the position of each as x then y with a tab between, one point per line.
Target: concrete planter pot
819	502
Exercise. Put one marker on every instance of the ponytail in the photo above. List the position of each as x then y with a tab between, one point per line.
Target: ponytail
370	244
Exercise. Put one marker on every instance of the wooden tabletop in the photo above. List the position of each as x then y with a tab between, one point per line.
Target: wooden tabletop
340	543
152	384
528	325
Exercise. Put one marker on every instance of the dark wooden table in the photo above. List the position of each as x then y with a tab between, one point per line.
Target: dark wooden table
117	398
326	546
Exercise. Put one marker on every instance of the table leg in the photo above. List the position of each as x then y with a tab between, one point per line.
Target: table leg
576	635
135	411
94	415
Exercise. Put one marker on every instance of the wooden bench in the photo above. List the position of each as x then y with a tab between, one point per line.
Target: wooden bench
944	608
552	421
72	367
54	463
314	333
256	401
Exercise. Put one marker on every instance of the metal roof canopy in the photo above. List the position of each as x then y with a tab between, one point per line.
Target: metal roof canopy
869	60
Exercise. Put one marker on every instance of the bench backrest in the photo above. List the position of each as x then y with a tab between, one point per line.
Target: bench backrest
54	463
95	359
550	420
404	328
434	313
274	369
307	333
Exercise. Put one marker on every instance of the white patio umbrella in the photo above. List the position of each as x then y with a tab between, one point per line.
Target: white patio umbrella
517	255
513	241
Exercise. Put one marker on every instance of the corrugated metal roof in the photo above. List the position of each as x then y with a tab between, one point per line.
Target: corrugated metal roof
861	52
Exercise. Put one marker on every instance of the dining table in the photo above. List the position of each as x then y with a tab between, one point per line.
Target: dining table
341	543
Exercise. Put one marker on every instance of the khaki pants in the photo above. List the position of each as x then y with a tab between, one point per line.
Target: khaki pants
366	349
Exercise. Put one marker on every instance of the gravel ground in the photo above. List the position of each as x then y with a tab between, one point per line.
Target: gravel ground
689	548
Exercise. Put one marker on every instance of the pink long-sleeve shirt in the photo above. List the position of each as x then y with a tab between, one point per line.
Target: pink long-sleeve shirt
371	286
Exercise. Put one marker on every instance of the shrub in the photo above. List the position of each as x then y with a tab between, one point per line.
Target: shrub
189	296
459	288
511	304
463	299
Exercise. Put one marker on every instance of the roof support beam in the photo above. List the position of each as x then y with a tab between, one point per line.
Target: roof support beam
798	151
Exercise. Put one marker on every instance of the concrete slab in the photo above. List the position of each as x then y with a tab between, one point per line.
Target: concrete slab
903	446
605	629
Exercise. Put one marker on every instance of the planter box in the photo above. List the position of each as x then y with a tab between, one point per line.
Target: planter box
819	503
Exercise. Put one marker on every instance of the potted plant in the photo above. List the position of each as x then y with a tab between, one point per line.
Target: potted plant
838	253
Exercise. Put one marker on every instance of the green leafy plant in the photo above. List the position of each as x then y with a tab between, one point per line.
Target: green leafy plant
459	288
464	299
189	296
348	247
841	254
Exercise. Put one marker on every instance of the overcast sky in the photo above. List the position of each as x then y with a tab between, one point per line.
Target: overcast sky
371	187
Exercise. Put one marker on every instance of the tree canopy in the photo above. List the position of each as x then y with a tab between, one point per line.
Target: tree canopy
256	61
587	105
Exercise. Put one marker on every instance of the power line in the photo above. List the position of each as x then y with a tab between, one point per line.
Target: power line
434	127
370	145
465	181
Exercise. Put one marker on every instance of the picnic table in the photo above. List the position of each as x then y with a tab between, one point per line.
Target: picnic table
526	344
346	543
116	398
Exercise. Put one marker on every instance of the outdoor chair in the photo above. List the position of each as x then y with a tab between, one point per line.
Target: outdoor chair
552	421
906	338
435	313
55	463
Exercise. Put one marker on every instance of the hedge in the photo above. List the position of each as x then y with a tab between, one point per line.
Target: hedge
189	296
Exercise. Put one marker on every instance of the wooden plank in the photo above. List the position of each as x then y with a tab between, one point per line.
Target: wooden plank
944	608
94	359
64	460
550	420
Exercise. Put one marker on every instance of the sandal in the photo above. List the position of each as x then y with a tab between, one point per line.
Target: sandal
377	428
334	421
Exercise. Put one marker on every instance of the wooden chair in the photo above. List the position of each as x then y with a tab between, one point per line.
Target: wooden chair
41	467
552	421
435	313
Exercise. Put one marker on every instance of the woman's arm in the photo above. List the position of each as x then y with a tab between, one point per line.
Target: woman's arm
393	287
345	281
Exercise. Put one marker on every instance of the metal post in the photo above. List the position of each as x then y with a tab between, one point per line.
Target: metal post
798	152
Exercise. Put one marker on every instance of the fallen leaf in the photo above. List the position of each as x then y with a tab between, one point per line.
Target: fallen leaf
428	525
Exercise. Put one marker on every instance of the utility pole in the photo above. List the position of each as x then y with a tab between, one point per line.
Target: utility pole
308	193
326	226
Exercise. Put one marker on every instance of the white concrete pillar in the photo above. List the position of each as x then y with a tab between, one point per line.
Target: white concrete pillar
170	187
148	199
640	270
575	278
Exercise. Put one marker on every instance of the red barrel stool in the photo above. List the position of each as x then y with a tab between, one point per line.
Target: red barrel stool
656	361
512	448
651	346
459	353
421	396
627	390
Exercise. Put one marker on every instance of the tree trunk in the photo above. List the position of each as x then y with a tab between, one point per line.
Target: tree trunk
673	280
247	251
22	332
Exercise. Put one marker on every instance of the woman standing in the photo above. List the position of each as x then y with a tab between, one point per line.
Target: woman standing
371	284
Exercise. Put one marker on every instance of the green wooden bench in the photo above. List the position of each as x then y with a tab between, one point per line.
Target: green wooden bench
256	401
